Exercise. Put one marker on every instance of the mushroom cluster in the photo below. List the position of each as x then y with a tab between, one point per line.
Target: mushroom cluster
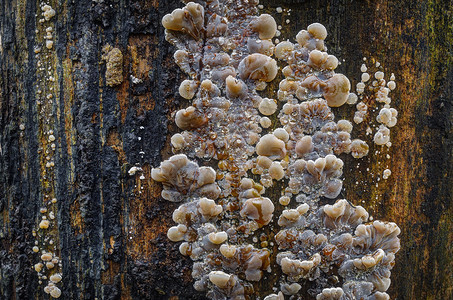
46	244
227	155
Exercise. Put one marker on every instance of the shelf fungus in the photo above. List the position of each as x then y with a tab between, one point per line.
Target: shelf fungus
223	162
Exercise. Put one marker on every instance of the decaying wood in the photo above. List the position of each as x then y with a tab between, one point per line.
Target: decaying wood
112	227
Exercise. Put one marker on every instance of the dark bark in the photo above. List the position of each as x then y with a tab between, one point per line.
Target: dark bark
111	233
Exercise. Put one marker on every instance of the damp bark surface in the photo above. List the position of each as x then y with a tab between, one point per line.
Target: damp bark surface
111	227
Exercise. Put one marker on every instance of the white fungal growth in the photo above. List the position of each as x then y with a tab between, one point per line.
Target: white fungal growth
220	278
265	25
387	116
276	171
330	294
359	148
49	12
352	99
218	237
134	170
281	134
228	250
209	208
220	208
379	75
265	122
176	233
46	256
49	44
386	174
271	146
46	238
44	224
258	67
267	106
363	68
258	209
38	267
365	77
188	88
361	113
337	89
54	291
382	136
283	49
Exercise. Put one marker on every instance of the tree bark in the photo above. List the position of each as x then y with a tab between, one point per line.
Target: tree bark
110	227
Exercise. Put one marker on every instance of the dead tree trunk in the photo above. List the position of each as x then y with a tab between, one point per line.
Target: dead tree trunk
109	228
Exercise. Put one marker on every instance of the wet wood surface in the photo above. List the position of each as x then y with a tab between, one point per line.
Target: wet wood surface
110	227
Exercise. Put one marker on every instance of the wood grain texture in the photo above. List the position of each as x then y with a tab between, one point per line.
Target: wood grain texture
112	227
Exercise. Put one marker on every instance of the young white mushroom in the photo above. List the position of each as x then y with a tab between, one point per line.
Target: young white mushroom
317	30
337	90
55	292
278	296
49	12
317	58
265	122
228	250
281	134
291	289
258	67
44	224
336	210
176	233
55	278
344	125
190	118
221	279
331	63
276	171
258	209
188	88
386	174
209	208
382	136
283	49
46	256
352	99
330	294
265	47
265	26
267	106
185	248
177	141
38	267
387	116
264	162
218	237
189	19
269	145
304	145
235	88
359	148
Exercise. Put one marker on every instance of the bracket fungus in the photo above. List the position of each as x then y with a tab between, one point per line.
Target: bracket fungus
226	50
